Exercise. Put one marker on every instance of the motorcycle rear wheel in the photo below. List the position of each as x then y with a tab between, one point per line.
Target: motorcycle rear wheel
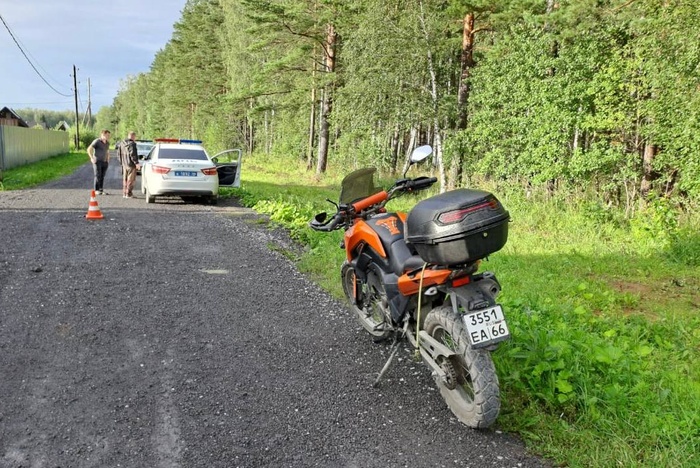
475	398
368	302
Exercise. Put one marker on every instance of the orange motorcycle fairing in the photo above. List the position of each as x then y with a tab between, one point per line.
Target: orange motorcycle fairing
362	233
409	285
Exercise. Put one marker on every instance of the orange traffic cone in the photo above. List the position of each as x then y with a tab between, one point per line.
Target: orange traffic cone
93	210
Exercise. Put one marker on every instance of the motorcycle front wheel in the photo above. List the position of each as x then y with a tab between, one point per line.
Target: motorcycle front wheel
368	302
471	387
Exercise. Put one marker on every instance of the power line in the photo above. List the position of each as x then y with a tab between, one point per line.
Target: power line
31	57
28	60
36	103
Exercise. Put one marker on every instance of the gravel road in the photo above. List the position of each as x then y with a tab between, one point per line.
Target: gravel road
177	335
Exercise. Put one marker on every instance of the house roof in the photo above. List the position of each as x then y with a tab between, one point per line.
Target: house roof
7	113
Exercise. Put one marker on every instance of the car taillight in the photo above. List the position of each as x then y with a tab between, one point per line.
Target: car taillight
160	169
456	216
209	171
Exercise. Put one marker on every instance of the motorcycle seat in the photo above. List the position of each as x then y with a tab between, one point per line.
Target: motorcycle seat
402	258
414	262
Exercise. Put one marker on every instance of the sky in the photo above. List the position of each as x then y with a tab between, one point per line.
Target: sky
106	40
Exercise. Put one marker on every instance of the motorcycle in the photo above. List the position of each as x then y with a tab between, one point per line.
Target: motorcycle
415	276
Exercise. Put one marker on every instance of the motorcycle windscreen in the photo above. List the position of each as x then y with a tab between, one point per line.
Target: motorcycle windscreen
357	185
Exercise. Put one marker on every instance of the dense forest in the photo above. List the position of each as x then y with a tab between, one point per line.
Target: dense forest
554	95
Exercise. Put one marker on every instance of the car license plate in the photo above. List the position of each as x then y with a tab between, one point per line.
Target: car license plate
487	326
185	174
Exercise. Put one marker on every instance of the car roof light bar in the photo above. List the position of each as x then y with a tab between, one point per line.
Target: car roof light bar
176	140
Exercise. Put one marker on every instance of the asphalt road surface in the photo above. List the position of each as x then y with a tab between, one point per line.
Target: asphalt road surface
178	335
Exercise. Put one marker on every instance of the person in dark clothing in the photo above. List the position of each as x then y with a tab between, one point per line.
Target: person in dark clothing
98	151
129	158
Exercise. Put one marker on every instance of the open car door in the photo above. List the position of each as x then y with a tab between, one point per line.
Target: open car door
228	166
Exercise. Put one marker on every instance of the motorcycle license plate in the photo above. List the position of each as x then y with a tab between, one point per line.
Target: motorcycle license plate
487	326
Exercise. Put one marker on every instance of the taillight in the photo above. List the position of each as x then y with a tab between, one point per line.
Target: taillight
209	171
456	216
160	169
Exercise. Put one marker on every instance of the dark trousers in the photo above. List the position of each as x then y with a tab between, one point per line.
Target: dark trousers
100	169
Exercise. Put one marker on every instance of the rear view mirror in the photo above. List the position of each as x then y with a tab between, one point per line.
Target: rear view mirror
421	153
319	219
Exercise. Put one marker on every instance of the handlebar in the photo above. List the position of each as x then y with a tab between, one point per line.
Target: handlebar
317	224
419	183
369	201
340	218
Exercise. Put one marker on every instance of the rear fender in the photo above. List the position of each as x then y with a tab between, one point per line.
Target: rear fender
480	293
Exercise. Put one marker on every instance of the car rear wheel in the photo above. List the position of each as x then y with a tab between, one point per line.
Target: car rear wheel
150	198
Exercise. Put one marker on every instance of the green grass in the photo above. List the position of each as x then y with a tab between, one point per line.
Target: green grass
603	368
43	171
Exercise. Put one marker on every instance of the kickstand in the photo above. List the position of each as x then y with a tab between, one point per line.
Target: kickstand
394	350
395	347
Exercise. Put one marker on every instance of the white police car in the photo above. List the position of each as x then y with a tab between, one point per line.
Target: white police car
175	167
180	168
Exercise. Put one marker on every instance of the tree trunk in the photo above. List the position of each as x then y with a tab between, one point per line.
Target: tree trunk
467	62
312	131
324	131
554	53
249	130
409	148
434	95
648	174
327	107
312	117
395	147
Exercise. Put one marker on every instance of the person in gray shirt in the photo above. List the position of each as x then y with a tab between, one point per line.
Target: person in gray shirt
98	151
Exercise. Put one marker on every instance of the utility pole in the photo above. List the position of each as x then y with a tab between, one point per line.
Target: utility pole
77	119
88	113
